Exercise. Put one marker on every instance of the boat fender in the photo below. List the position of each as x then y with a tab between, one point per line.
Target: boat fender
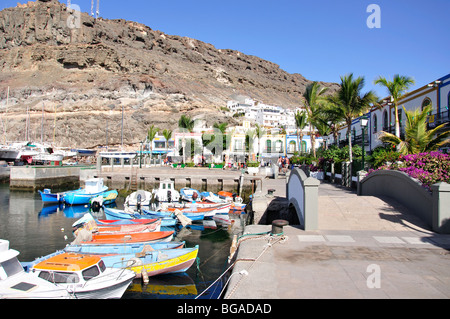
144	275
134	262
169	196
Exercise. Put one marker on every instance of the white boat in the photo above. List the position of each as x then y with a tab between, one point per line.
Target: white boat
37	152
8	153
67	153
139	198
166	192
85	276
15	283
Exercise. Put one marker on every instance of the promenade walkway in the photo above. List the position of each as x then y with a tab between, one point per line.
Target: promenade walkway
366	247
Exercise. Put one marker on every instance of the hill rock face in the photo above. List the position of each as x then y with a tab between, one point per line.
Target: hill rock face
70	76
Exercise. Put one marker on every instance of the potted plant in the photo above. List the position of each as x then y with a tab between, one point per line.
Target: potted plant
253	168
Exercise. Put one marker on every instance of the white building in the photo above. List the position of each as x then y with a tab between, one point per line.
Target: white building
263	114
436	93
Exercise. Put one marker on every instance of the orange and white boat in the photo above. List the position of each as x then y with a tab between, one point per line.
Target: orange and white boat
156	226
122	238
84	276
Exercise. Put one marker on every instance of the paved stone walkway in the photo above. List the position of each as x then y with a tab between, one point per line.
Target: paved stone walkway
366	247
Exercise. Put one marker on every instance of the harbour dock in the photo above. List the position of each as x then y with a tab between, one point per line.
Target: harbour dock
365	248
131	178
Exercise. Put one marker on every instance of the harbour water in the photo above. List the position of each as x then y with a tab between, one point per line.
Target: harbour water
36	230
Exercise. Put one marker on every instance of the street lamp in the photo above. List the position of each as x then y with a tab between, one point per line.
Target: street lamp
363	122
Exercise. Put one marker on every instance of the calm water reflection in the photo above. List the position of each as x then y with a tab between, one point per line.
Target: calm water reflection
36	230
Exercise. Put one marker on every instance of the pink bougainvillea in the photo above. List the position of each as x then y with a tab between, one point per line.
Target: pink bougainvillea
428	168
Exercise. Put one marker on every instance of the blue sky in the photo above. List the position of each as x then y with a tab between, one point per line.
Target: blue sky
321	40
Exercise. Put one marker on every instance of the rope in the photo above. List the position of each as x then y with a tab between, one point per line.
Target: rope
265	235
281	238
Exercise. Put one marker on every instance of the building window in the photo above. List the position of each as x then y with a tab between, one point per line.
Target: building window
292	146
303	147
269	146
375	123
426	102
385	121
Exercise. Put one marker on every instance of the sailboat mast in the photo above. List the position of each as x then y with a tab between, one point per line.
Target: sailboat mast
42	124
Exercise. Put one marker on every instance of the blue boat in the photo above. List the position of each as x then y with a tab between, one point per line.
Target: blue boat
187	194
165	214
93	188
134	248
51	198
113	214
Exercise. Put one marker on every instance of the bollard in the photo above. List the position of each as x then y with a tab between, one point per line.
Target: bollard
277	226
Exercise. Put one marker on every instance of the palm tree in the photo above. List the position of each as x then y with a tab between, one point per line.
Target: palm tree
301	119
167	135
151	133
396	88
350	103
417	138
186	122
333	117
314	99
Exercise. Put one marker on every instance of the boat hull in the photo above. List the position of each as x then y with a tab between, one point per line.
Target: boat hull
80	197
111	239
114	214
180	262
111	292
48	197
121	249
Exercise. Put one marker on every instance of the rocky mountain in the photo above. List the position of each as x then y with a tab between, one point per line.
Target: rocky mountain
70	76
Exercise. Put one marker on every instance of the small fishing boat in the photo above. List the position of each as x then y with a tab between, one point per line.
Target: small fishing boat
51	198
208	212
198	203
211	197
155	262
189	194
156	226
171	214
117	214
106	222
88	222
166	192
112	239
230	197
15	283
84	276
122	248
106	198
93	188
138	199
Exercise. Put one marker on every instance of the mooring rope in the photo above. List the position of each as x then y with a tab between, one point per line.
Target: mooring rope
265	235
281	238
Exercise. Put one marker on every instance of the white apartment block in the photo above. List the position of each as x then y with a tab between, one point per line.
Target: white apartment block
263	114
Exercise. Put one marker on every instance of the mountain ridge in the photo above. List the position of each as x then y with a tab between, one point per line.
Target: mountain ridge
85	75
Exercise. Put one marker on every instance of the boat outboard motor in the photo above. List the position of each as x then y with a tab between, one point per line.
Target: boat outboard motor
138	202
169	196
95	206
